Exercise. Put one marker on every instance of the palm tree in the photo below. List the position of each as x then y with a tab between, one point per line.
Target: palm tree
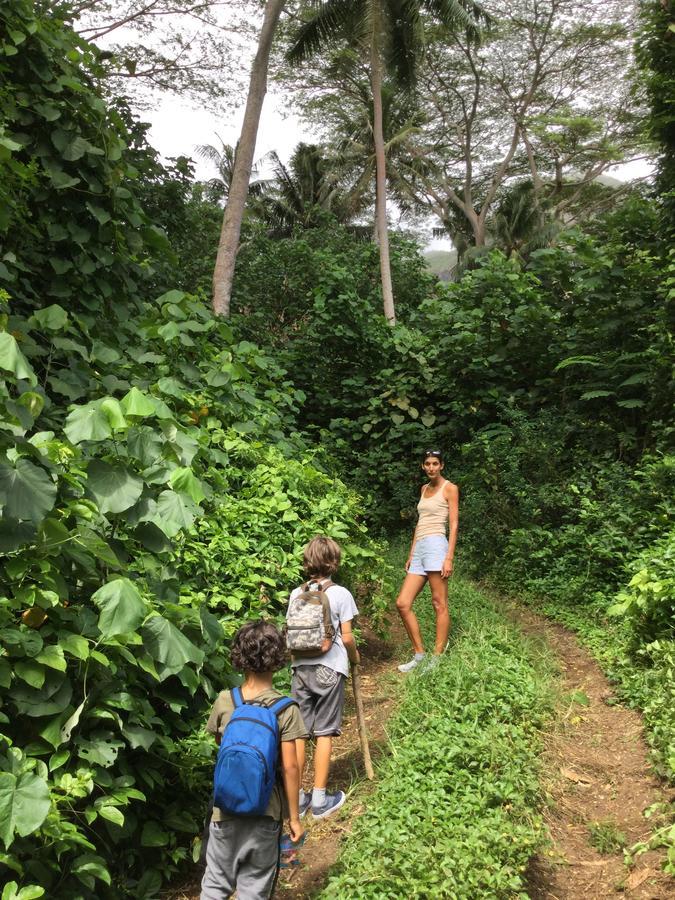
301	193
391	33
223	161
522	222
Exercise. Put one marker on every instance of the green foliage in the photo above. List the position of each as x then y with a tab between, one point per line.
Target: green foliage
605	837
140	525
656	56
464	759
649	599
71	227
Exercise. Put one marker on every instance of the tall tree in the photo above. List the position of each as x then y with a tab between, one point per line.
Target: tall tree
390	34
179	47
547	94
223	273
656	55
301	193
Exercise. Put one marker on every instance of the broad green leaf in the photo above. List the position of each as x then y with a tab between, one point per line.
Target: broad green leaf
101	750
52	655
153	835
87	423
24	804
113	411
26	491
139	736
152	537
12	891
53	318
13	360
122	607
172	387
184	481
75	645
169	646
93	865
145	444
173	513
94	544
112	814
114	487
137	403
103	353
31	672
15	534
212	630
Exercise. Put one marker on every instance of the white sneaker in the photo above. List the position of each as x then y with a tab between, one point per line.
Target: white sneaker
414	662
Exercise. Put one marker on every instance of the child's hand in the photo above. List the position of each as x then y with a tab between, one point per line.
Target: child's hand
296	830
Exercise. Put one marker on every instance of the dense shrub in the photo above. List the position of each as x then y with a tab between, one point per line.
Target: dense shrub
139	526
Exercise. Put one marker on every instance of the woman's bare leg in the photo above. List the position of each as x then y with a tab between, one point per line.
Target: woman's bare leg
439	599
412	585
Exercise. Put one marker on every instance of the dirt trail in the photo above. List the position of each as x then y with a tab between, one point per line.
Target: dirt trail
596	771
379	683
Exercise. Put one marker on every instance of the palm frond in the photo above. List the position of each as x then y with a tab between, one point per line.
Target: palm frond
459	15
326	27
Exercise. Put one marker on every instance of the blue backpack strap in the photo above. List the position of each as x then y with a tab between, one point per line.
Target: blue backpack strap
280	705
237	699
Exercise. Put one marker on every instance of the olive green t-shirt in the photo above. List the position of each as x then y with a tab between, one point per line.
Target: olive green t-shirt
291	727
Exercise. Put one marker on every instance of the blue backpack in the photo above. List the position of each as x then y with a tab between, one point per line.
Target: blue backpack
247	759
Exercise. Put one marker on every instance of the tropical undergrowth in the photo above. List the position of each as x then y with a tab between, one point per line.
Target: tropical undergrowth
154	492
455	812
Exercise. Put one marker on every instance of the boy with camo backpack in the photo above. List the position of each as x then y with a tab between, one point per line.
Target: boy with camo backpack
322	645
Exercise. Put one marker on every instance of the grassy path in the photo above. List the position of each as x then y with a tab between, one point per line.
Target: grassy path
504	773
454	813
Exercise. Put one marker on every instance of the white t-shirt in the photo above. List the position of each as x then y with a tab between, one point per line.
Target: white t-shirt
342	609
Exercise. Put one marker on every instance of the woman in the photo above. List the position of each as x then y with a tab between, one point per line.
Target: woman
431	558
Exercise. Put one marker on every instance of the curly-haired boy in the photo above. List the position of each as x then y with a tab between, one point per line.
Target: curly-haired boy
243	850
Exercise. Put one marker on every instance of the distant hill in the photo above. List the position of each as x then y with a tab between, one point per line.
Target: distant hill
441	262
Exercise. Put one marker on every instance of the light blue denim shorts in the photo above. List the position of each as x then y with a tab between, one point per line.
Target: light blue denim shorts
429	554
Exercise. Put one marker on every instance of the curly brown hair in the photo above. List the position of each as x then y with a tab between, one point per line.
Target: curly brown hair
258	647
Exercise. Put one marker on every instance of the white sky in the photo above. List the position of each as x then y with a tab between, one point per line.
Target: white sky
177	130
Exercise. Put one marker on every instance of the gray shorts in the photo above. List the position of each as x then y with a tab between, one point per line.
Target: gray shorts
242	855
320	695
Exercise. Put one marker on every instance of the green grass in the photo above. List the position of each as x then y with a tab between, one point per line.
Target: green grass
455	813
606	837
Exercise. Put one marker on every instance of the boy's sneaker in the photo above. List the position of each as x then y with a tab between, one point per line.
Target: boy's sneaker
332	804
304	802
414	662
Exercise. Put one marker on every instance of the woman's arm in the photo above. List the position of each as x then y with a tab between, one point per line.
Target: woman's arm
452	496
412	545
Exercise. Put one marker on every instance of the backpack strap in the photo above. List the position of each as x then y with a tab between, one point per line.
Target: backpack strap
281	704
237	698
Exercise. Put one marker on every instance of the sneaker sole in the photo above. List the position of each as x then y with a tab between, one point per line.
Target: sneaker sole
329	812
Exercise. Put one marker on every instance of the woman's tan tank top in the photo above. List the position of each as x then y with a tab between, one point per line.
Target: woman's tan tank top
433	514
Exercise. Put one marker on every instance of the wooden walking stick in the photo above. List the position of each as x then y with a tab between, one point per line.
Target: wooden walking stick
361	722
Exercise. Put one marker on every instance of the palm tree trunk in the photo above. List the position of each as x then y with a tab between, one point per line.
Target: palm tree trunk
223	273
381	176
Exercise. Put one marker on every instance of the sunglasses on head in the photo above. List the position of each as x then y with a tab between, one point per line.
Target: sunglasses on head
432	453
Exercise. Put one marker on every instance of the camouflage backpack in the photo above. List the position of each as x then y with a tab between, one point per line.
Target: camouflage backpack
309	629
